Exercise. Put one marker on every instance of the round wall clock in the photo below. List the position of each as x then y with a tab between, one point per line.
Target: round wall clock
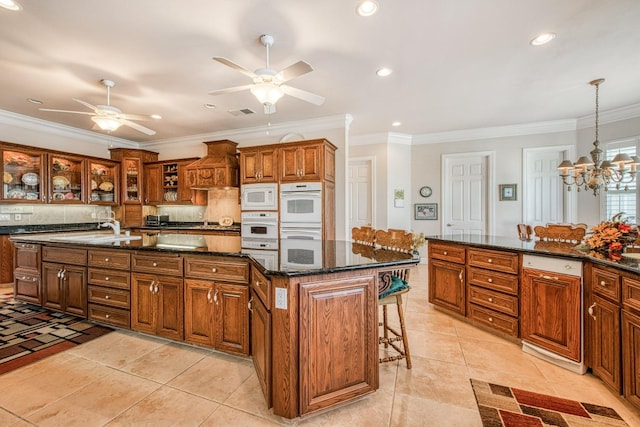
425	191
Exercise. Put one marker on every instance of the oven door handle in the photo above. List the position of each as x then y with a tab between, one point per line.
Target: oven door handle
297	194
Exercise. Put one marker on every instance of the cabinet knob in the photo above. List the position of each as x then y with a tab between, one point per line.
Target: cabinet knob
490	280
603	283
490	299
107	316
106	278
258	284
107	297
490	319
155	264
107	259
445	253
214	270
489	260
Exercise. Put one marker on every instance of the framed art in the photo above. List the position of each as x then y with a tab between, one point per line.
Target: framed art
426	211
508	192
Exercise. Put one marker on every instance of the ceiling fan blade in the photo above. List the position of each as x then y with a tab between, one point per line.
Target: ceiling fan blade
293	71
235	66
67	111
133	117
137	127
86	104
303	94
230	89
269	108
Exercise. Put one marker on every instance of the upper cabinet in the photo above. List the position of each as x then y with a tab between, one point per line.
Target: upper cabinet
22	173
66	179
312	160
104	184
166	183
259	164
131	161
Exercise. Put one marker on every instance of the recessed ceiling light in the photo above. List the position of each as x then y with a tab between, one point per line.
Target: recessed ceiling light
384	72
156	116
396	124
10	4
211	106
367	7
543	38
34	101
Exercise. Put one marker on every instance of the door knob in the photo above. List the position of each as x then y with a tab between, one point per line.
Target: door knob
449	225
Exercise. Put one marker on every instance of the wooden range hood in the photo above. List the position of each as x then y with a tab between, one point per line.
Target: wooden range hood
218	168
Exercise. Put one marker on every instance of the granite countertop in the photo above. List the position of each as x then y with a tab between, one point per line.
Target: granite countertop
46	228
235	227
334	255
536	247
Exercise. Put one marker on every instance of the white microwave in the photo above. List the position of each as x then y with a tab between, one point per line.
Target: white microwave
259	197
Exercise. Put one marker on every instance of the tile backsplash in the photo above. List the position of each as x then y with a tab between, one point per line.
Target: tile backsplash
221	203
51	214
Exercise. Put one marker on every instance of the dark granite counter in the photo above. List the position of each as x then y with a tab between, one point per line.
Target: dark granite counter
537	247
46	228
235	227
333	255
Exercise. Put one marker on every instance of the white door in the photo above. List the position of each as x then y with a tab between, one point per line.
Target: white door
360	193
465	198
542	189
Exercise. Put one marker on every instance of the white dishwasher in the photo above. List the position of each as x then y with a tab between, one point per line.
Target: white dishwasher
551	323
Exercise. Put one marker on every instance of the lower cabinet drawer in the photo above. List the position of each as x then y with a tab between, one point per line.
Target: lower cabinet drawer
110	315
157	264
109	278
493	319
108	296
26	287
493	280
507	304
217	268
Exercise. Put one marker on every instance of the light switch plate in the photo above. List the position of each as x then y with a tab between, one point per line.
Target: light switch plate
281	298
5	217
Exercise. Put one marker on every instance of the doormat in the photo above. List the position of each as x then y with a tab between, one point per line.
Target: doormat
511	407
29	333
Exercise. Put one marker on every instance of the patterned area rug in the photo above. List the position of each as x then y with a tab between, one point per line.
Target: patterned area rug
511	407
29	333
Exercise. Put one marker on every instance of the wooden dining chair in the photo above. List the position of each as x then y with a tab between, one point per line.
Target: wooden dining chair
393	284
364	235
524	231
569	233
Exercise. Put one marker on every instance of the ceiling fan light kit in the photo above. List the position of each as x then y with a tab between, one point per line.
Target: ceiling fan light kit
367	7
106	123
268	85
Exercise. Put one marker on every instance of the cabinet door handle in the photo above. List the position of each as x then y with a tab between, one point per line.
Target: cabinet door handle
544	276
215	297
151	286
209	295
590	310
460	275
155	289
249	304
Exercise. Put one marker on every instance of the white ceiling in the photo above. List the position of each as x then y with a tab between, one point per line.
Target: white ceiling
458	64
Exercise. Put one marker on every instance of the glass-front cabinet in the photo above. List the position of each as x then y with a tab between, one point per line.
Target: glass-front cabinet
132	170
66	179
22	173
104	182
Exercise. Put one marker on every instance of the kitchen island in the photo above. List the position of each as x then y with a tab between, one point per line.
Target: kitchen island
563	304
312	332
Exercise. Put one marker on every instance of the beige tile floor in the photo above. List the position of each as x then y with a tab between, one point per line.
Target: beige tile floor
127	379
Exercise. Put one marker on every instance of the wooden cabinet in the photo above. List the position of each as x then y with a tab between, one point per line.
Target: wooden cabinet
631	356
346	339
166	183
104	182
26	285
67	179
64	279
605	343
6	259
492	289
550	312
24	175
261	344
216	313
258	164
447	277
301	162
109	287
157	305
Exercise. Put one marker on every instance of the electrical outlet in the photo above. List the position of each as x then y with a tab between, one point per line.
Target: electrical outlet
17	217
94	215
281	298
5	217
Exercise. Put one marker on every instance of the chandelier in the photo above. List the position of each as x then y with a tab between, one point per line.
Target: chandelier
594	173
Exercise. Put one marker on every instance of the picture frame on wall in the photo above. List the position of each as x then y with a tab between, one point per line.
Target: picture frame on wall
508	192
426	211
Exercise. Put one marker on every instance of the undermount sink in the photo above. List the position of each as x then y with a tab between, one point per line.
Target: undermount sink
95	238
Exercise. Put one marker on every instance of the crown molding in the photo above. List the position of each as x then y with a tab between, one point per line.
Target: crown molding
496	132
610	116
31	123
307	125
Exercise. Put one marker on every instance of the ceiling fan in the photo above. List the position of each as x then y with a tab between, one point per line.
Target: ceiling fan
268	84
107	117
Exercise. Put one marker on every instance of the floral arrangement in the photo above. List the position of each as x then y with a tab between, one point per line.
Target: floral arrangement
609	238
